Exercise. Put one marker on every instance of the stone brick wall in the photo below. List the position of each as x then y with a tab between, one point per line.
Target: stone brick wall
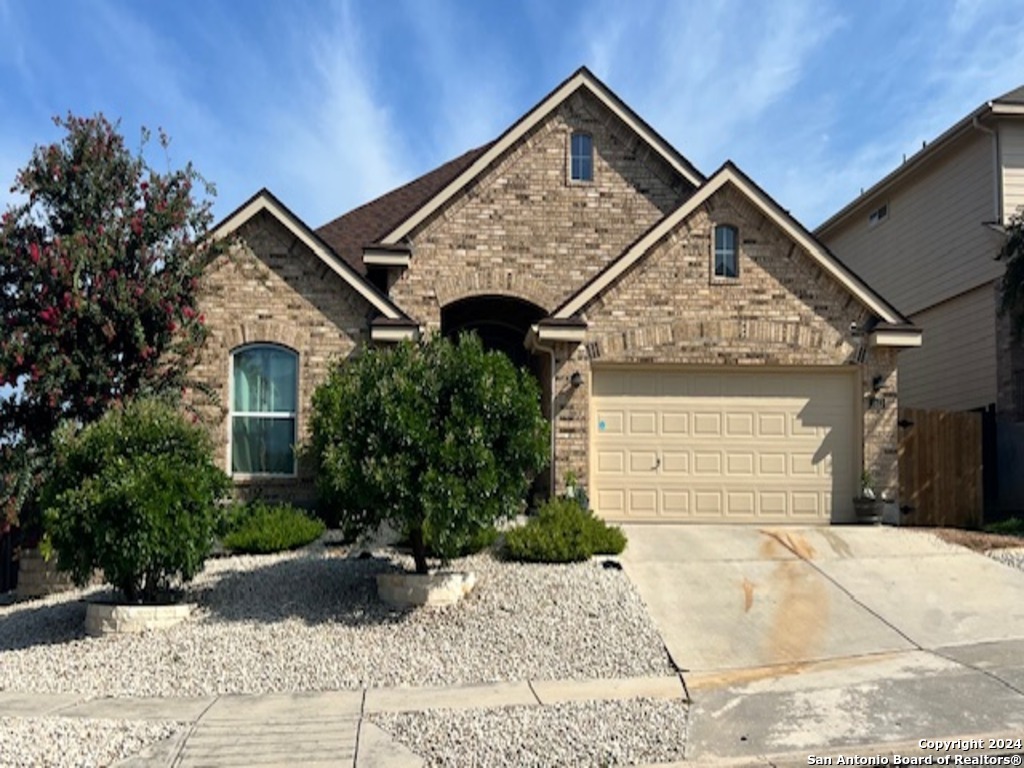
270	288
784	310
525	230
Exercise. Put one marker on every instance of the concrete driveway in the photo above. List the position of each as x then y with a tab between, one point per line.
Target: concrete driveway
793	639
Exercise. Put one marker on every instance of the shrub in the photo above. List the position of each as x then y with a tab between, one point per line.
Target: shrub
134	494
472	544
1013	526
563	532
261	528
439	439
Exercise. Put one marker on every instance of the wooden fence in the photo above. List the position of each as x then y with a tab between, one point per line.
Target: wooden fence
941	468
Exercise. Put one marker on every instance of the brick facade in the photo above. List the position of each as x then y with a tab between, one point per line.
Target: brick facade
524	230
269	288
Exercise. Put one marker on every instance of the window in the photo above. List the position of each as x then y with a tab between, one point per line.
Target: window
582	157
878	215
263	406
726	257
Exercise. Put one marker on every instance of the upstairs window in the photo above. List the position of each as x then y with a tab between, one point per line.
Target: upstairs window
726	256
581	165
264	393
878	215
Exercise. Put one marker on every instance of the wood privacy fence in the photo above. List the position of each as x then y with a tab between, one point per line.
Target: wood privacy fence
941	468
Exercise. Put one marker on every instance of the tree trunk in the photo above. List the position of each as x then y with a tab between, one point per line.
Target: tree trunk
419	549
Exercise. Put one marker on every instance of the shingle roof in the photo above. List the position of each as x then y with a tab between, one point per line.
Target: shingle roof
364	225
1016	96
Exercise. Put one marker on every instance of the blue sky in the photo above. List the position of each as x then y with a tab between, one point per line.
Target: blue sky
332	103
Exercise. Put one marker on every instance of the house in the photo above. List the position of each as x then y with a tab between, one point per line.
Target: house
929	234
702	356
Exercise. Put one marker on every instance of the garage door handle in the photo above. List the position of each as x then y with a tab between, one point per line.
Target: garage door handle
657	463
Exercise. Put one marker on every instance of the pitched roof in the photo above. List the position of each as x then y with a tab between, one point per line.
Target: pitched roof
1010	104
366	224
264	200
730	174
582	78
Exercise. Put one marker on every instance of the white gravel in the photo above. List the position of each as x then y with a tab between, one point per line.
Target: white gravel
1013	556
311	621
604	733
64	742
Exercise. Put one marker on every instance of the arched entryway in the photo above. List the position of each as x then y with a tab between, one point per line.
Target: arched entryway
501	322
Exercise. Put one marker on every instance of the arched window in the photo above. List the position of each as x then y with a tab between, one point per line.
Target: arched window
726	256
264	397
581	166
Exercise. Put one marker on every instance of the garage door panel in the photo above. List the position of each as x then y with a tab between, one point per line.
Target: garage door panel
643	423
732	446
675	463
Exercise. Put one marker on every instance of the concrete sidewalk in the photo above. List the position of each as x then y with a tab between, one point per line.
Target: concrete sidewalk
313	729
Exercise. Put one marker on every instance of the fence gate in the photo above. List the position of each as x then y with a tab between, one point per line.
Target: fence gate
941	468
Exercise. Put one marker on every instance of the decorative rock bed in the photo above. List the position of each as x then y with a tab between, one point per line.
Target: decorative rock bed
411	590
113	619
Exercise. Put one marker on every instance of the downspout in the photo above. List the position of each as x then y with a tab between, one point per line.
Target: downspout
534	344
997	187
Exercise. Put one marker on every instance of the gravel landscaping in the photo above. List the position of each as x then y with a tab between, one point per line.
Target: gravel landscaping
59	742
639	731
1011	556
311	621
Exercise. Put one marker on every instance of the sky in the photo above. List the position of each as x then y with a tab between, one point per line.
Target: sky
329	104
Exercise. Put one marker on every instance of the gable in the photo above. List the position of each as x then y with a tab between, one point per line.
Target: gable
265	202
730	176
525	228
581	81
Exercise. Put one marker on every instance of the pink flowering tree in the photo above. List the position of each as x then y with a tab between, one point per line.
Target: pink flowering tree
99	263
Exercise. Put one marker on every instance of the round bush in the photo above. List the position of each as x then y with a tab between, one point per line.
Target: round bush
261	528
562	532
135	495
439	439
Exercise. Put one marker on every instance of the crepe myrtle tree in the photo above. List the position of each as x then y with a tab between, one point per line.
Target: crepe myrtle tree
1012	288
439	439
99	263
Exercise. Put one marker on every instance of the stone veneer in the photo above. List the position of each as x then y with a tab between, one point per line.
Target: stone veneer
270	288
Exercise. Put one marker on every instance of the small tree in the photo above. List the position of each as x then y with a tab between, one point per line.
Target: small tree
1012	295
98	278
134	494
439	439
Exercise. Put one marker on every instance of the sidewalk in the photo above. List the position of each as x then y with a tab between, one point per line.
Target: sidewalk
312	729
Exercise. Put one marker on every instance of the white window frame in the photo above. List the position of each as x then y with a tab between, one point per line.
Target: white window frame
232	413
573	179
735	252
879	215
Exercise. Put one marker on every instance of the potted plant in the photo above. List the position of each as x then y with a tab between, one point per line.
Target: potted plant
134	495
867	506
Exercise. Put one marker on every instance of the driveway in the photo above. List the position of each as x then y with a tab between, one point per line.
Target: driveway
795	639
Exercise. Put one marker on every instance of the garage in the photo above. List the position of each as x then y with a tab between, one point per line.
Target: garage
724	446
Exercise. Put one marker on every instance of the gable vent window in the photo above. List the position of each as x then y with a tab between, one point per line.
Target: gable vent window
726	255
878	215
581	157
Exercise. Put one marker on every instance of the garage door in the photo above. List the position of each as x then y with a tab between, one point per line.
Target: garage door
722	446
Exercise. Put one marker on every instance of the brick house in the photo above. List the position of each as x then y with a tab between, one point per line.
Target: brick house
702	356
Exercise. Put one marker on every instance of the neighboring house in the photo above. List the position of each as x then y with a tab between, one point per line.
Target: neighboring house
928	235
702	356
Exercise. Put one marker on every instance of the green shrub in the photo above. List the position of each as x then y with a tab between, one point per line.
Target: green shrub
439	439
1013	526
563	532
261	528
471	545
134	494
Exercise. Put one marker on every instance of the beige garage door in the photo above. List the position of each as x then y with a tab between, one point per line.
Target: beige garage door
722	447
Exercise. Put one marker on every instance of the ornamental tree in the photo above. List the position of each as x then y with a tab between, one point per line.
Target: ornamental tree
1012	294
99	265
439	439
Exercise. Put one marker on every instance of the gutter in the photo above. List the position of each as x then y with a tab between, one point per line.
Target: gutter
997	187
